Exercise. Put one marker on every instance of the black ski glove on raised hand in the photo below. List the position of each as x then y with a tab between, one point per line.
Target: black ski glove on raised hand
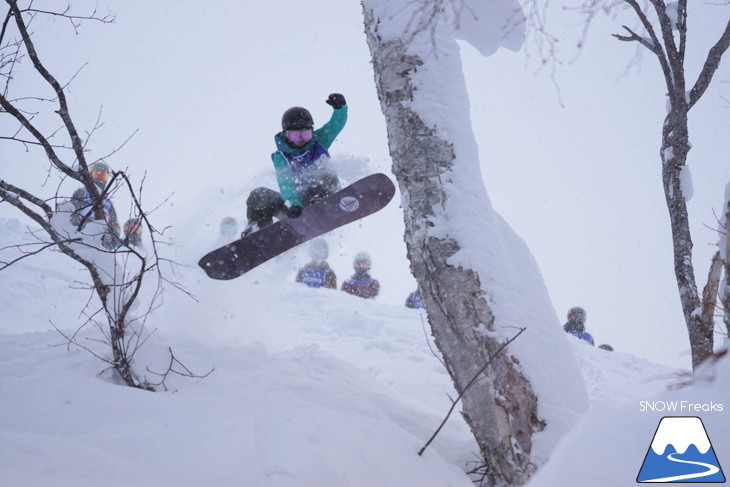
336	100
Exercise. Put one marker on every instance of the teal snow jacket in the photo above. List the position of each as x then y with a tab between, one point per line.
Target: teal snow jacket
293	165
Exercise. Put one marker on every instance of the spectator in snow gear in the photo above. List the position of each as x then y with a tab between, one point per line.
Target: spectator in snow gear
228	232
361	284
133	232
228	228
318	273
414	300
576	324
81	201
302	163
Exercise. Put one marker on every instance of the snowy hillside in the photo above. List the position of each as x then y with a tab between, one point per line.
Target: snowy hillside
328	390
315	387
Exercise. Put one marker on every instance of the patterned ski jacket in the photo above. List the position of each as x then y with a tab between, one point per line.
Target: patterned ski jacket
361	284
298	169
317	275
82	203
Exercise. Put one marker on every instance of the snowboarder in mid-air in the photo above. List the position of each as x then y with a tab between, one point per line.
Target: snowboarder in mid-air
361	284
576	324
83	212
318	273
305	176
302	163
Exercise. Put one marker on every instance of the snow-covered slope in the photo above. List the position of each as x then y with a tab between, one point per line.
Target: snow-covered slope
309	387
607	446
330	389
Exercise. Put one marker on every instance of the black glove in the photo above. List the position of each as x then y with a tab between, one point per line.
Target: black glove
335	100
294	211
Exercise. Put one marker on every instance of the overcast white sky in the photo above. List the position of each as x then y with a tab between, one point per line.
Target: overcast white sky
580	182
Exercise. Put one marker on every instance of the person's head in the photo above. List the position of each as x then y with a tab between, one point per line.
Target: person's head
319	250
577	315
297	125
133	226
229	226
606	347
99	173
361	262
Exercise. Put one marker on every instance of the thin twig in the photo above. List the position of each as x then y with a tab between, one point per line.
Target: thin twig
465	388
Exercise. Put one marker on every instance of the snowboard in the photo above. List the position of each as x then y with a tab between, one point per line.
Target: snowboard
360	199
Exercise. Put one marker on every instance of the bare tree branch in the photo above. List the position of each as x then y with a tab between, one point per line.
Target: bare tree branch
658	50
171	369
710	67
118	270
63	110
709	293
10	191
74	19
26	254
633	36
454	402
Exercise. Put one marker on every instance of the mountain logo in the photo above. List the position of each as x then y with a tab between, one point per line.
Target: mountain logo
680	452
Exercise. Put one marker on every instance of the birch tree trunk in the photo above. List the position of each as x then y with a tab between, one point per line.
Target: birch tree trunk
501	407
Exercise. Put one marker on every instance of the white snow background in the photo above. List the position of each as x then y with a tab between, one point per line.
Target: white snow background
314	387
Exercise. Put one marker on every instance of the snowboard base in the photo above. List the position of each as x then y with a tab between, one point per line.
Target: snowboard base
360	199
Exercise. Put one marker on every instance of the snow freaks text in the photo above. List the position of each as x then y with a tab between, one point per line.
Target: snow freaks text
680	407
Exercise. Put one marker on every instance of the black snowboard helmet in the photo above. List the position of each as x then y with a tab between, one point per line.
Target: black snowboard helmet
577	314
296	118
362	262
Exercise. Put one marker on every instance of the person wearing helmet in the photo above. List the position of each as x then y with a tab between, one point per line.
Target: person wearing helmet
361	284
82	203
576	324
133	232
414	300
302	162
228	228
318	273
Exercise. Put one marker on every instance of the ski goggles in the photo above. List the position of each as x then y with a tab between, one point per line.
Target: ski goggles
99	175
299	135
135	227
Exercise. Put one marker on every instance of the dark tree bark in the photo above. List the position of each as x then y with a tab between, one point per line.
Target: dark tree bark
667	41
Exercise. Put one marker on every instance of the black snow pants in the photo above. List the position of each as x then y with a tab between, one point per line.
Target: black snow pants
264	204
